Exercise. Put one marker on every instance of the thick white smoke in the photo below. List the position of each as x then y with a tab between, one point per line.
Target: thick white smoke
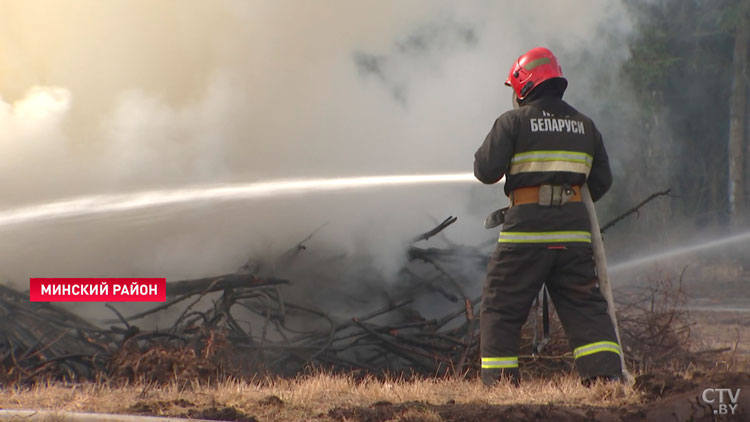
118	96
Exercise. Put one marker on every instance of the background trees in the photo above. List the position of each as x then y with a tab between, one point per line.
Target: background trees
688	74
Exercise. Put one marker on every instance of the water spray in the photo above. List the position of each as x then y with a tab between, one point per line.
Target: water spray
680	251
110	203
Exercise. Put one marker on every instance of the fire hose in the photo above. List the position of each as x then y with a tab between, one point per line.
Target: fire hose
600	261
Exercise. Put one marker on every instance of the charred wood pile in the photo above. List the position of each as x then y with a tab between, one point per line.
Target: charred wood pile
246	323
38	340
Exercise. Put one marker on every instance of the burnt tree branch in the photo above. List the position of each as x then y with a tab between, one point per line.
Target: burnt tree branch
634	209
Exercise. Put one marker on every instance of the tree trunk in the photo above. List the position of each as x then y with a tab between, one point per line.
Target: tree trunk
737	113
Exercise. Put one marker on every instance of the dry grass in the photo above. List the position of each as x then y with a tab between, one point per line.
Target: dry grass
310	397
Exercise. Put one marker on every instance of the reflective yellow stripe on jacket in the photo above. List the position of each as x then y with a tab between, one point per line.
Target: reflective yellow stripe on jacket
545	237
533	161
497	363
600	346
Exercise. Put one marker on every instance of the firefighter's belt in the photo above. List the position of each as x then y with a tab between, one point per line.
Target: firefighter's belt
545	195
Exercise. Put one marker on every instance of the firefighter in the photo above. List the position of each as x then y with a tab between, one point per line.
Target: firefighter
546	150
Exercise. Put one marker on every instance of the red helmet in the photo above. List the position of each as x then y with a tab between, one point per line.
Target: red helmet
531	69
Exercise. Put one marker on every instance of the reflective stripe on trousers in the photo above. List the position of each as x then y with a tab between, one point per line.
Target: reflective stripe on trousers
600	346
545	237
504	362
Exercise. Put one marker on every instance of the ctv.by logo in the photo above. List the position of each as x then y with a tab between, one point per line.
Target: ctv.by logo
725	400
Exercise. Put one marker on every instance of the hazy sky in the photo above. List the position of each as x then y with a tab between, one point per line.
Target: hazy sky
111	96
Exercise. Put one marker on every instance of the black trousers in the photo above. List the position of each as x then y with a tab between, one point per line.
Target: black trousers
514	277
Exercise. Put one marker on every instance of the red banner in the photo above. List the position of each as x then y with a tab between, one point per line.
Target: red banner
98	289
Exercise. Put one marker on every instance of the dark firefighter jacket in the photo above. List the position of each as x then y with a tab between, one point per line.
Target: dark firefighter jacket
546	141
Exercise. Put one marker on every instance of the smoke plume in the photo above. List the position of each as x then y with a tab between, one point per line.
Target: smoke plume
120	96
